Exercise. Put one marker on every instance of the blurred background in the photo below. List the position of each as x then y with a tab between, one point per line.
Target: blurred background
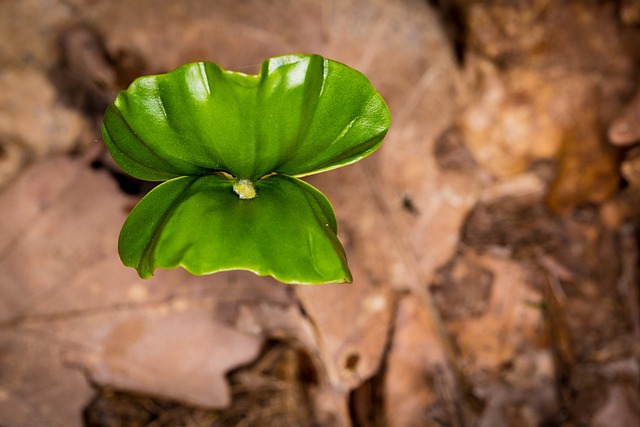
493	237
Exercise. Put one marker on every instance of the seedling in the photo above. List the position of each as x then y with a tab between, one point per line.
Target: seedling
231	148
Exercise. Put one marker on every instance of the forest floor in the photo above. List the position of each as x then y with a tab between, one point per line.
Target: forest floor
493	237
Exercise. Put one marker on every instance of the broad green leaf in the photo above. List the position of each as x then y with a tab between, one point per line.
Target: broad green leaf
288	230
230	146
301	115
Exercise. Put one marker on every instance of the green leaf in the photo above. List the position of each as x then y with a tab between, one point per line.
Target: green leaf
230	146
288	230
301	115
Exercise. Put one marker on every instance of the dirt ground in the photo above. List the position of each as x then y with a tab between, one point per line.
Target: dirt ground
493	238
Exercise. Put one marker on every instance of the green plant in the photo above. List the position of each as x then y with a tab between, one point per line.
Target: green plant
231	148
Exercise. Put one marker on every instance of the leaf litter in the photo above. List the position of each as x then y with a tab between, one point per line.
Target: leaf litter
495	282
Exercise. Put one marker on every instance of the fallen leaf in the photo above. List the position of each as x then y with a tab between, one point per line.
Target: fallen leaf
36	386
31	114
65	292
625	129
621	409
418	380
131	350
511	323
